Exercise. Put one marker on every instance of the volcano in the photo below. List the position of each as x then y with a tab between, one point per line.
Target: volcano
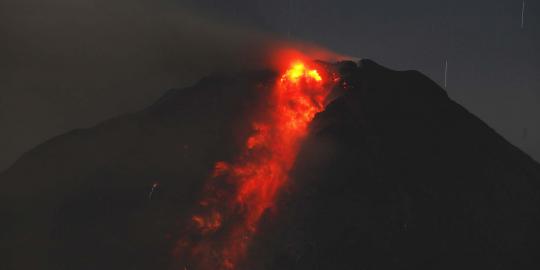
387	172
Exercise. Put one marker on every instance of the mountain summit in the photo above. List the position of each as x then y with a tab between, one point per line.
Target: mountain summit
393	174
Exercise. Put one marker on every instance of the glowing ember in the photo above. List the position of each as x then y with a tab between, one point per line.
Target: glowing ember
229	219
299	71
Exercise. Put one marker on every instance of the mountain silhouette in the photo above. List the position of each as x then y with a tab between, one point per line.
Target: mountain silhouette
393	175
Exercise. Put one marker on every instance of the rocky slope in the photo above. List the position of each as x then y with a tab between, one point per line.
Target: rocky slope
394	175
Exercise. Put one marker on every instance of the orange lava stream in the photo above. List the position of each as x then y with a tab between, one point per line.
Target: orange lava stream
230	218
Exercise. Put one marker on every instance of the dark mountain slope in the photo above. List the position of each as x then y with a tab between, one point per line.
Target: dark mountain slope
397	176
394	175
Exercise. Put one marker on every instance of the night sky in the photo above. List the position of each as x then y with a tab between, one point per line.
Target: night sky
72	63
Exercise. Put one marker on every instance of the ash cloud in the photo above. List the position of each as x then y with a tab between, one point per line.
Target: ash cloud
69	64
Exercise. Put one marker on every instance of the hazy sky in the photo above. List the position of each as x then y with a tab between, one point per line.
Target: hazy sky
72	63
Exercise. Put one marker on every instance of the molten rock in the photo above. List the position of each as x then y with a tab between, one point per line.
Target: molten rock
390	174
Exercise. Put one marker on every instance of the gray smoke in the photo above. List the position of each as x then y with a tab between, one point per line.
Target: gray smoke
69	64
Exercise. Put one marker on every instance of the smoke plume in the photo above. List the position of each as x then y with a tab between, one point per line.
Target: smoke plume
69	64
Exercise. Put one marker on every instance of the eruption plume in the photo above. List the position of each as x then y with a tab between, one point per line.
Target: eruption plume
239	192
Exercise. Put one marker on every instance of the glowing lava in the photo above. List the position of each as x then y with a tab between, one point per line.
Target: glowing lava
229	216
299	71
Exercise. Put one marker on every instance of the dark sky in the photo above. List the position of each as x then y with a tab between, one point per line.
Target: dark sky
73	63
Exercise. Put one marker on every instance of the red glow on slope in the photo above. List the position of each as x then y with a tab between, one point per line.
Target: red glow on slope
230	218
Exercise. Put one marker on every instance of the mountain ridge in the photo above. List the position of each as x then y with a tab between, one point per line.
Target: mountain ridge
421	173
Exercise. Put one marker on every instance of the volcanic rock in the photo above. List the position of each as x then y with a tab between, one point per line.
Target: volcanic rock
393	175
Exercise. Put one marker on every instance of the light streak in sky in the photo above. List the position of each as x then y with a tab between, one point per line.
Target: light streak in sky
445	72
523	15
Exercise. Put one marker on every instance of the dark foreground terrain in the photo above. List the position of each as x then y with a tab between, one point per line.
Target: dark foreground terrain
394	175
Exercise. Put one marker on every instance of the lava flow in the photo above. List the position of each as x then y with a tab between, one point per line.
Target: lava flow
240	192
